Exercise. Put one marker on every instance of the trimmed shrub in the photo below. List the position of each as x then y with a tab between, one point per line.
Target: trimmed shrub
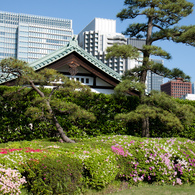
167	161
60	175
100	169
11	181
104	107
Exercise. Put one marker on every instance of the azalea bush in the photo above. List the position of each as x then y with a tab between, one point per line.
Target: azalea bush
100	161
154	160
60	175
14	157
11	181
162	161
100	165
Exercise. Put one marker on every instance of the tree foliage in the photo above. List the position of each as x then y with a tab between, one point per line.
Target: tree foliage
161	19
45	106
160	106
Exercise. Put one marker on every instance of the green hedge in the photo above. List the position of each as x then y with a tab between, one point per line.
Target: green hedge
105	107
15	126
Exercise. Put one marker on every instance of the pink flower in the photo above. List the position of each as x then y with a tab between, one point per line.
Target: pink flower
178	180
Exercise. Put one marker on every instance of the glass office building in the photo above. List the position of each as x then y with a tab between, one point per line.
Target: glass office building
154	81
29	37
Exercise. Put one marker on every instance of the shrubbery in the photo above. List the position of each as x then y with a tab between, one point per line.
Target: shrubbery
104	107
59	175
61	168
156	162
11	181
100	166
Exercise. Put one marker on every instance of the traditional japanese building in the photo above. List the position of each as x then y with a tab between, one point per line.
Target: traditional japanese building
73	61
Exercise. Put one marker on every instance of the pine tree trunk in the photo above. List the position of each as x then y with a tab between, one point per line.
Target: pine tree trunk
61	131
58	126
146	57
145	127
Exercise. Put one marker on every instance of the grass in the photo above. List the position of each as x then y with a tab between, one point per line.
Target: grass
142	190
146	190
160	190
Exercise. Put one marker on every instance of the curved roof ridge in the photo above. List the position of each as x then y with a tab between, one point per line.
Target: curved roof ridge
70	47
64	51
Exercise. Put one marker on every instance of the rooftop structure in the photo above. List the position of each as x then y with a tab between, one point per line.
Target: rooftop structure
74	62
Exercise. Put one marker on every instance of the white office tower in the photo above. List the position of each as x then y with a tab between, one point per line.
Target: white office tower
97	36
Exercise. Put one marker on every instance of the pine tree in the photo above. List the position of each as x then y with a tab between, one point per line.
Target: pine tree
162	17
45	106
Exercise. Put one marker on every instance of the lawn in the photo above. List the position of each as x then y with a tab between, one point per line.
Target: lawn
159	190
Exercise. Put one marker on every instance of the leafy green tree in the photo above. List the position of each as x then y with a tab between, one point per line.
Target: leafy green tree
45	106
161	18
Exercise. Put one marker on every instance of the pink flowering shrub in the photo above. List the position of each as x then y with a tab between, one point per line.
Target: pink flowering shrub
171	162
11	181
14	157
53	175
6	151
98	161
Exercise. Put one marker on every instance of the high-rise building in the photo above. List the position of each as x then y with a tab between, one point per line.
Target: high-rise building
97	36
193	88
28	37
153	81
138	43
177	88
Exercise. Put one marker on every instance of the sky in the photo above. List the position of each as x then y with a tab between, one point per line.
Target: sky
82	12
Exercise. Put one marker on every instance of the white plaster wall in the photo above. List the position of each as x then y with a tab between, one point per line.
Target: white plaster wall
105	91
188	97
100	82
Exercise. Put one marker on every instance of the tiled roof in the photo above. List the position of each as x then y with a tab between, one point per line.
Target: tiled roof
72	46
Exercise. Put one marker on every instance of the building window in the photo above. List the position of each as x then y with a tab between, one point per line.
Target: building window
82	80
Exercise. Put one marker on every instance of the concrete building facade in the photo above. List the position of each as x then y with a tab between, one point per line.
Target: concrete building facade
177	88
97	36
28	37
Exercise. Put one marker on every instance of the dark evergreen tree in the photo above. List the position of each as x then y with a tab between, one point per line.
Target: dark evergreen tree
161	19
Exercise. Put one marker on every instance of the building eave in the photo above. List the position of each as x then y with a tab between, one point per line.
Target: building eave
71	47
